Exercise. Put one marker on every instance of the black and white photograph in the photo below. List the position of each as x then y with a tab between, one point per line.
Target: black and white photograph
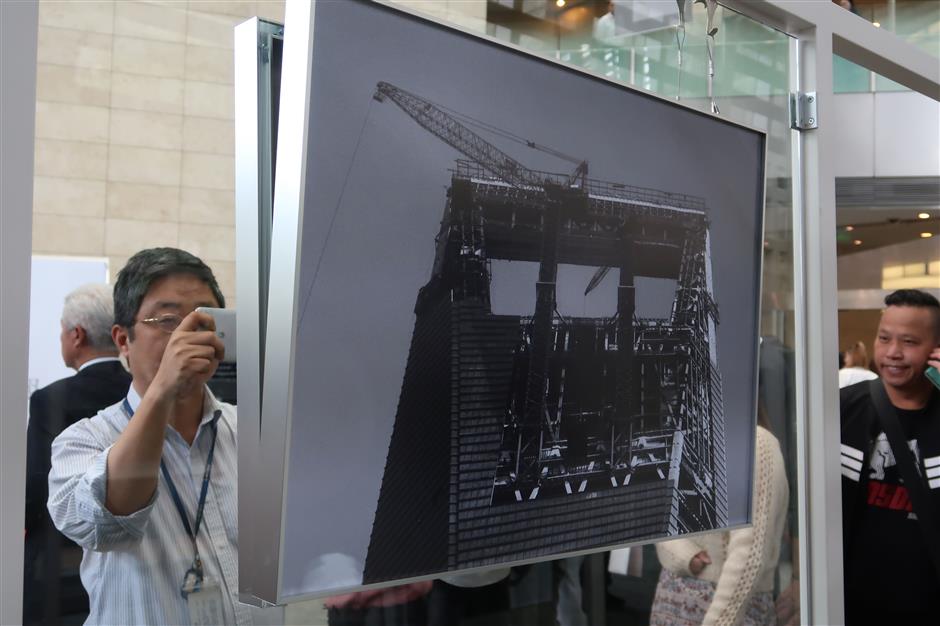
526	310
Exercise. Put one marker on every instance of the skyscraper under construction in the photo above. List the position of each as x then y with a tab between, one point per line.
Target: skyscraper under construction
522	436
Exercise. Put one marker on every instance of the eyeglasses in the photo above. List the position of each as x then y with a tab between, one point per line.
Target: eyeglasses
167	322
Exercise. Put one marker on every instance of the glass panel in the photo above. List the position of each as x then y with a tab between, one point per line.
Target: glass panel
134	149
847	77
888	228
915	21
750	84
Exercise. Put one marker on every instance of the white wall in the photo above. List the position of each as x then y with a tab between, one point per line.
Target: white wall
885	134
52	279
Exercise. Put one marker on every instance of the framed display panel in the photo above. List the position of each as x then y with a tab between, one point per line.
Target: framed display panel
481	350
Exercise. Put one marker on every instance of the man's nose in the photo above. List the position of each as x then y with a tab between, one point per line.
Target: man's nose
894	350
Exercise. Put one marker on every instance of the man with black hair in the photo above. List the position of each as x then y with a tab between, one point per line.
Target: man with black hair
148	485
890	573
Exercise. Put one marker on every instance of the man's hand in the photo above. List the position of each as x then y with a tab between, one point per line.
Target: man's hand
173	397
191	357
698	562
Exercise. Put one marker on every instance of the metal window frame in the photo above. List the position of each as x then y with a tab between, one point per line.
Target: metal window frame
819	30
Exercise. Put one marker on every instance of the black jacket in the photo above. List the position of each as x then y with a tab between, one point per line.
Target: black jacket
54	408
870	505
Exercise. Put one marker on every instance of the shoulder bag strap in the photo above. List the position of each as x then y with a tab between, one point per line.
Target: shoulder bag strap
913	479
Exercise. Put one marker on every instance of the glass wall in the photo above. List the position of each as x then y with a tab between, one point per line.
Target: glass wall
887	206
887	190
135	145
134	149
914	21
640	47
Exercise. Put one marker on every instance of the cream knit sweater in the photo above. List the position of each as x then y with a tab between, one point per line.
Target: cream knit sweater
743	560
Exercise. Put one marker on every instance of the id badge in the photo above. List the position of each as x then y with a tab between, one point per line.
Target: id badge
205	604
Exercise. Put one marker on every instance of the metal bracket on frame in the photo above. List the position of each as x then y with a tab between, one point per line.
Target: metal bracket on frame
803	111
264	41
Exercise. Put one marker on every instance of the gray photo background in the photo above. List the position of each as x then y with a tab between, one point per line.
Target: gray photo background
375	195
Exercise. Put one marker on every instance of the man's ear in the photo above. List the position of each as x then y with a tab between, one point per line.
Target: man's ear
79	337
121	338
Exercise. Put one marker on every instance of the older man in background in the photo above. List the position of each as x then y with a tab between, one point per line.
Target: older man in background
100	380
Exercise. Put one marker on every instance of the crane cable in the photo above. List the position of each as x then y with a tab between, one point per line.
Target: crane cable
339	201
499	132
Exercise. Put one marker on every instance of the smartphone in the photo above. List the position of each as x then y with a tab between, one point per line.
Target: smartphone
933	375
224	329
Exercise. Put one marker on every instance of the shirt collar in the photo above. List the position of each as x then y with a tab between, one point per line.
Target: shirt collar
209	403
101	359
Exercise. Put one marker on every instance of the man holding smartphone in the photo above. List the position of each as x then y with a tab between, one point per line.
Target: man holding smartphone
891	495
148	486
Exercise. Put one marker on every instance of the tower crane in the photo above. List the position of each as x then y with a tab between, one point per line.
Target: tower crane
446	127
451	131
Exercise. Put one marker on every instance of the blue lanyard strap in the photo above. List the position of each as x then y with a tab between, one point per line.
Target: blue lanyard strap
207	473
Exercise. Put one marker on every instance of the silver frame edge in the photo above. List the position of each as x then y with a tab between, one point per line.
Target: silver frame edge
289	188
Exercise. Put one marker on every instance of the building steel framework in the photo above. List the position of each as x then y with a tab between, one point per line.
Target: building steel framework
548	410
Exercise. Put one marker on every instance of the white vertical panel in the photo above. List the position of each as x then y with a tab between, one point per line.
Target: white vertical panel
907	134
52	279
18	29
853	125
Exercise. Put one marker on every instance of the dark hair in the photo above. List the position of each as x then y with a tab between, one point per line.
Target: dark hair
916	298
146	267
911	297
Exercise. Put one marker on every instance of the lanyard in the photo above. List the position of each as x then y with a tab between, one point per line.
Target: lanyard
174	493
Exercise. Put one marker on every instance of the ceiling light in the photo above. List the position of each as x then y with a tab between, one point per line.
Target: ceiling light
849	228
876	24
926	235
924	216
559	3
857	242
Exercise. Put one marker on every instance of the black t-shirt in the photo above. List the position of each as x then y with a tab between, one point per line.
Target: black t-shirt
891	571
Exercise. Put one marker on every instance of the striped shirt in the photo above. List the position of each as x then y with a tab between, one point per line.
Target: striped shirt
133	565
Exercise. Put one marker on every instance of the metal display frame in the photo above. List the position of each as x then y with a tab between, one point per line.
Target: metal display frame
254	204
264	518
818	30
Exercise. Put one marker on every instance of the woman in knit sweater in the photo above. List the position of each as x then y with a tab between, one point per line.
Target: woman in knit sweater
727	577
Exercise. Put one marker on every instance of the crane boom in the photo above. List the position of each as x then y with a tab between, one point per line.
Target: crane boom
449	130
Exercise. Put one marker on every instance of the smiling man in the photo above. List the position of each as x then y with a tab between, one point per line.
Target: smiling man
148	485
890	573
